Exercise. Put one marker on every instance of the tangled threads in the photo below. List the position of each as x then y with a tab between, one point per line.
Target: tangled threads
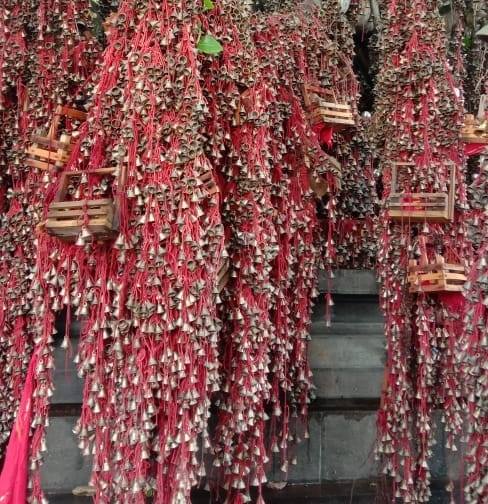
417	131
34	77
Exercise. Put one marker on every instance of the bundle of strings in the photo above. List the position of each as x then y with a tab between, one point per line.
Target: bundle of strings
242	107
417	120
474	339
356	207
297	157
474	344
238	142
148	347
34	77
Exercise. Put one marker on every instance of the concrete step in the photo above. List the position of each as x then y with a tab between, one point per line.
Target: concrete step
356	492
320	329
64	467
349	309
347	383
347	357
347	352
357	282
340	448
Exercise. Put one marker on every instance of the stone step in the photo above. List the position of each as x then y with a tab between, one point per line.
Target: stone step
357	282
349	309
347	383
321	330
340	448
64	467
327	493
347	352
346	357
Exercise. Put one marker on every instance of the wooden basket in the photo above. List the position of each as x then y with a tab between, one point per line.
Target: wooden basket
437	277
474	130
320	111
47	152
65	219
419	207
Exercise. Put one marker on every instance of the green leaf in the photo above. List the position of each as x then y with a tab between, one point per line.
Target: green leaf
467	42
208	5
209	45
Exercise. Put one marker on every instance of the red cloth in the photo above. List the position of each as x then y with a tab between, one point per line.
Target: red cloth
473	149
13	480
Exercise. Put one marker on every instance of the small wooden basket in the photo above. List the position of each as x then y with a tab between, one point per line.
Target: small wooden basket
474	130
437	277
66	219
47	152
419	207
320	111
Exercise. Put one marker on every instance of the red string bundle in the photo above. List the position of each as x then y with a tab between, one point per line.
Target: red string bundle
148	348
33	78
418	118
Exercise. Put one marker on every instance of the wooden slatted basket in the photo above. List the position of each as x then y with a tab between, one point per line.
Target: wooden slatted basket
324	111
437	277
474	130
47	152
419	207
66	219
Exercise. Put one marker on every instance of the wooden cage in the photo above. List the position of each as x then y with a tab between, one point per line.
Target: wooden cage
475	129
419	207
48	152
436	277
66	219
328	111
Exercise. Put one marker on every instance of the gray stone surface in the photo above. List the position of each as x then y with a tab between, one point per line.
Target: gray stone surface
347	383
347	446
64	467
350	310
347	358
308	454
347	352
351	282
68	387
339	448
